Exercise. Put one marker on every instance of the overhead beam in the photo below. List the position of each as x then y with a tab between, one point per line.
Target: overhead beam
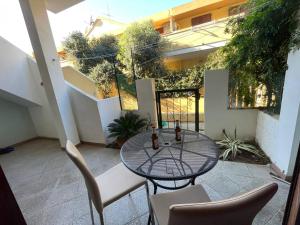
57	6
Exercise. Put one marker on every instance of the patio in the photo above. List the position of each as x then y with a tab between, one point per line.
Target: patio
50	190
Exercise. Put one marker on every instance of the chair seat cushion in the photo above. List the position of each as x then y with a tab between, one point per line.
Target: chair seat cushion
162	202
117	182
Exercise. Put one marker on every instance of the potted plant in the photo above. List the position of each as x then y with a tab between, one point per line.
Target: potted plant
126	127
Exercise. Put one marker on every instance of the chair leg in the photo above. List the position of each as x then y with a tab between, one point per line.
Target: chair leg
151	216
91	209
101	218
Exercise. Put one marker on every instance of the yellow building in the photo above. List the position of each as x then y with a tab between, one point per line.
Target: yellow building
194	29
190	31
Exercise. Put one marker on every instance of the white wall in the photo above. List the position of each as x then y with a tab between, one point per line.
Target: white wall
42	116
79	80
217	114
19	76
279	136
15	124
15	75
145	90
87	116
109	109
295	146
267	134
288	139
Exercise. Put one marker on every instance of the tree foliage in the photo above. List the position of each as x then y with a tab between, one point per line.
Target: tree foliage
257	53
179	79
192	77
103	75
141	47
106	46
77	47
88	53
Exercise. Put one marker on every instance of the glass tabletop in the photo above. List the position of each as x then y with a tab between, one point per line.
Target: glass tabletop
194	155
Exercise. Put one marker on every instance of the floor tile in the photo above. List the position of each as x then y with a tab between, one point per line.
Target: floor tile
51	190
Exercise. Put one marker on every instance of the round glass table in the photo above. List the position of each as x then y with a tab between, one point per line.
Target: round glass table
193	156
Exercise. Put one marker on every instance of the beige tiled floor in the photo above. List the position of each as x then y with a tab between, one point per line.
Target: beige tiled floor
50	190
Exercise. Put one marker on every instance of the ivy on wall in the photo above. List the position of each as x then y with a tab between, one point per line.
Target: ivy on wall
257	53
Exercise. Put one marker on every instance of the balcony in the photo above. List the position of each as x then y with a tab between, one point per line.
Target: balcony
198	38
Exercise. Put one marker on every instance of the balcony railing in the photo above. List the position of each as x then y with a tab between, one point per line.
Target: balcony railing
201	35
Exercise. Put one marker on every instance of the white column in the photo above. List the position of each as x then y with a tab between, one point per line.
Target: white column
145	90
38	26
172	24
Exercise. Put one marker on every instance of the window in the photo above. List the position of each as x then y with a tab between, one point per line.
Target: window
164	29
201	19
236	10
160	30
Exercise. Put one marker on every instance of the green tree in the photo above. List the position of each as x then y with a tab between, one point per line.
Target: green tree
141	50
257	53
77	47
103	75
106	46
88	53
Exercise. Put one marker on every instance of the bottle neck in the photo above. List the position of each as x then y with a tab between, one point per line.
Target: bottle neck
177	123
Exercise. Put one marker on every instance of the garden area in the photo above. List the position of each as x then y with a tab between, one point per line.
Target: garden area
255	56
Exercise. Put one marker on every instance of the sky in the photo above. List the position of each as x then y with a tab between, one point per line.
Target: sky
13	29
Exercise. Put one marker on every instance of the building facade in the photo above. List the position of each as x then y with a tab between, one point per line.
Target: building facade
195	29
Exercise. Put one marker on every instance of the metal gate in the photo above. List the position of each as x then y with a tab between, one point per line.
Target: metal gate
182	105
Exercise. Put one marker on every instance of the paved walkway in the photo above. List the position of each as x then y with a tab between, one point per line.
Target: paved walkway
51	191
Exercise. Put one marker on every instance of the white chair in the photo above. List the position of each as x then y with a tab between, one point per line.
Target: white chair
192	206
109	186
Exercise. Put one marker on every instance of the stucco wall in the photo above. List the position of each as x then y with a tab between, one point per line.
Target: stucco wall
218	116
79	80
145	90
20	78
42	116
15	74
279	136
109	109
16	124
267	134
288	139
87	116
296	143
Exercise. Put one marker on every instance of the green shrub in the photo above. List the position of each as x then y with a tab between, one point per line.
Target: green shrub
103	75
126	127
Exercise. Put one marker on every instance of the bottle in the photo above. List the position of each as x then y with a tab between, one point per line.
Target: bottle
154	138
177	131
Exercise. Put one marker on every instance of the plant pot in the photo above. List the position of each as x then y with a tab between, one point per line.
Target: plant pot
120	142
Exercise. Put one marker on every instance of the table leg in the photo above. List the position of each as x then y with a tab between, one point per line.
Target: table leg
193	181
155	188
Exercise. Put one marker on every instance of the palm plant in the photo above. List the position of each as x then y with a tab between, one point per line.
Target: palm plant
126	127
234	146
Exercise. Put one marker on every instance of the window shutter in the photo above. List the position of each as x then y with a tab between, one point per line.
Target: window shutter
201	19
